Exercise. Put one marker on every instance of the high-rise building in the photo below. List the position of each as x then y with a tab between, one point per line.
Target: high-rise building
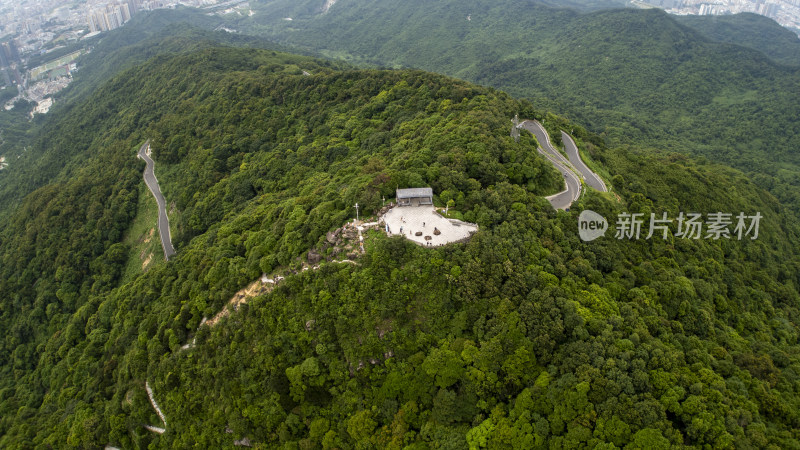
10	52
134	6
94	24
126	12
109	20
118	16
6	78
113	16
771	10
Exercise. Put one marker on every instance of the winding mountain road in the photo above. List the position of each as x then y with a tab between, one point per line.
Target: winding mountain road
589	177
152	183
564	199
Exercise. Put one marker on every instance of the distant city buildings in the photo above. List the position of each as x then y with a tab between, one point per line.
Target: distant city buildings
112	16
31	29
35	24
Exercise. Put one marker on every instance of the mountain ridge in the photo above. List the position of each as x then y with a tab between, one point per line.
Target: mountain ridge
678	90
750	30
485	339
525	336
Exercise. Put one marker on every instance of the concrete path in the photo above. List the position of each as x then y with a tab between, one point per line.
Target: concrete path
152	428
152	183
589	177
564	199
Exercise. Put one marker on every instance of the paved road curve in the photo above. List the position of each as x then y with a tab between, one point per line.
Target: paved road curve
589	177
152	183
544	140
563	199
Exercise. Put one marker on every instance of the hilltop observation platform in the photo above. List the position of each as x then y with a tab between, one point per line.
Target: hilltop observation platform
415	218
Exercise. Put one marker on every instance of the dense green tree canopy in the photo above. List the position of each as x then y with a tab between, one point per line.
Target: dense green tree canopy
523	337
641	77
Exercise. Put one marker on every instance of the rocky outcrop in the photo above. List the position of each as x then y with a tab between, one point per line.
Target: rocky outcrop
313	257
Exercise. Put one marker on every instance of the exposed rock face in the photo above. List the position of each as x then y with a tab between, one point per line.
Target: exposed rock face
244	442
313	257
328	4
331	237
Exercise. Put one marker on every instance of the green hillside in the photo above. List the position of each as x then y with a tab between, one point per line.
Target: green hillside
588	5
523	337
48	144
633	76
144	37
752	31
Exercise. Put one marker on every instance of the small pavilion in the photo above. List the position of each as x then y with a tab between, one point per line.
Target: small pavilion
415	197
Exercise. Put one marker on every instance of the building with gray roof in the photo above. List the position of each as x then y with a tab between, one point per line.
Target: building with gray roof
415	196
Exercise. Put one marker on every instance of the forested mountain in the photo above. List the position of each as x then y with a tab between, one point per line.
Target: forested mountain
523	337
108	53
634	76
588	5
749	30
45	146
